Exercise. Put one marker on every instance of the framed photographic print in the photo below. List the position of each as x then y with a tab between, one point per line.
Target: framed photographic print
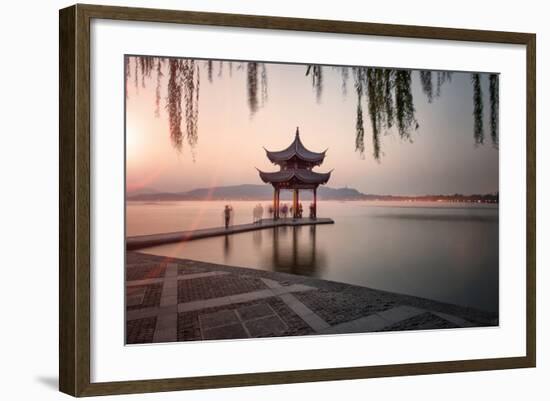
250	200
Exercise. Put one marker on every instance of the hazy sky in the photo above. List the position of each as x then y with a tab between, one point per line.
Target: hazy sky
442	157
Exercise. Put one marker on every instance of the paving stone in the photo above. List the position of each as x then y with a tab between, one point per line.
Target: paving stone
145	271
151	297
216	319
167	321
298	307
271	283
134	296
423	321
400	313
170	284
255	311
149	312
266	326
191	267
171	270
168	300
139	331
166	329
314	321
190	276
165	336
189	327
232	331
454	319
362	325
342	305
147	281
216	287
204	304
251	296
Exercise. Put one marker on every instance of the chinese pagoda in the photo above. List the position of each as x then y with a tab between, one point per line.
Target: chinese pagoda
296	165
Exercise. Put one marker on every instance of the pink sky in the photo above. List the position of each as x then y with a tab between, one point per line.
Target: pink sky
441	159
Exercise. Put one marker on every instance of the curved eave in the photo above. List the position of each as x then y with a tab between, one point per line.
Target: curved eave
296	149
284	156
302	176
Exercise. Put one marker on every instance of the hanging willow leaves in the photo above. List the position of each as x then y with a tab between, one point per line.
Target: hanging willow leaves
183	88
316	73
388	100
359	125
442	78
494	100
191	86
142	64
478	109
404	107
210	67
263	84
344	72
173	103
147	64
252	86
386	91
374	85
157	89
127	74
427	86
136	75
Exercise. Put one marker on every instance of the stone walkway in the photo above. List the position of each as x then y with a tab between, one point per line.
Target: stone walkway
144	241
180	300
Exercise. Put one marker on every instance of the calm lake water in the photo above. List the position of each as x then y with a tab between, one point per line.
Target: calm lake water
441	251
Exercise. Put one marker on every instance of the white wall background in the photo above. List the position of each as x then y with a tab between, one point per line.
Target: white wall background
29	185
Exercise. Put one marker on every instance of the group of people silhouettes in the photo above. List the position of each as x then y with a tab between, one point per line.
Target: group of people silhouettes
258	213
285	210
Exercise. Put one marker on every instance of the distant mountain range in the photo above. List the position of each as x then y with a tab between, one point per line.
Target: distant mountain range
265	192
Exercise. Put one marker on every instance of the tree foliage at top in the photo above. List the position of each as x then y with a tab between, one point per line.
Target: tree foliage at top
385	93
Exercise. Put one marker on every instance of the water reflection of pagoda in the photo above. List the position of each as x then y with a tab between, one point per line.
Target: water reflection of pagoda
293	251
296	164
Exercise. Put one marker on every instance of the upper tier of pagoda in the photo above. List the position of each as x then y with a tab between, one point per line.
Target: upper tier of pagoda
295	167
296	155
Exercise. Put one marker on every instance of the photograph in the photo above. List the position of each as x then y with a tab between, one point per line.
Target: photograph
274	199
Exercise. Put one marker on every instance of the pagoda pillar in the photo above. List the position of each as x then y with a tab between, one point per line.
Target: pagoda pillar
295	202
275	193
278	203
315	202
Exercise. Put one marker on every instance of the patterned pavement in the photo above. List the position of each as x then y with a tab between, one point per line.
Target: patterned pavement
171	300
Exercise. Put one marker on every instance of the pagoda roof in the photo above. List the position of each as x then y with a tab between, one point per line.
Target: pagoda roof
302	175
296	149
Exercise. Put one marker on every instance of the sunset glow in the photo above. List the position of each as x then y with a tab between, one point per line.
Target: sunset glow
440	157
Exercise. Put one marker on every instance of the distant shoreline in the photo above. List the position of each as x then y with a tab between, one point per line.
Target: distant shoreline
325	200
262	193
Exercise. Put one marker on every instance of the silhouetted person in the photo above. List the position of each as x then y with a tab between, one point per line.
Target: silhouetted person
255	214
227	215
312	211
284	210
260	213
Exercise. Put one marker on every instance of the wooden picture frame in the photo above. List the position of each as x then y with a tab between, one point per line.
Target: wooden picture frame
74	199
